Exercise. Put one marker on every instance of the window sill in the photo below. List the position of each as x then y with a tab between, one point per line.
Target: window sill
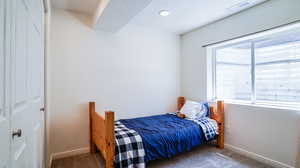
294	107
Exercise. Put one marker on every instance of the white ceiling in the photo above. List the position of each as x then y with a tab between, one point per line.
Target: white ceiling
185	16
84	6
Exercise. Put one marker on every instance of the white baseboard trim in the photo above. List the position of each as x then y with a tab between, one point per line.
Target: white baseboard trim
69	153
257	157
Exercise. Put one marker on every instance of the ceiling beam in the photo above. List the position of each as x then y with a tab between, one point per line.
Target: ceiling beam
112	15
100	9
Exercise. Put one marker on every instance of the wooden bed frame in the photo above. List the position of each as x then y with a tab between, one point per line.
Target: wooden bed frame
102	135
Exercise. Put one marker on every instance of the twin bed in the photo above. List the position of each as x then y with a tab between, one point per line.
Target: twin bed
133	142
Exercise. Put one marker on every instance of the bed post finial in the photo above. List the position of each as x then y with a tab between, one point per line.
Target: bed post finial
180	102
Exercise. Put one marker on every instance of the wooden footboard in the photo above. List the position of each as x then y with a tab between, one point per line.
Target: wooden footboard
217	115
102	134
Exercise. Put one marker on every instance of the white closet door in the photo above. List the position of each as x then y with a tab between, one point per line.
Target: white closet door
21	84
4	113
27	88
20	103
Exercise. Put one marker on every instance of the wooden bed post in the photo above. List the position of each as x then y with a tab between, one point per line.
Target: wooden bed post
212	111
220	120
92	111
110	139
180	103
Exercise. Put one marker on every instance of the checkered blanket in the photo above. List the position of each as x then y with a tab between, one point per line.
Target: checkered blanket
129	148
209	127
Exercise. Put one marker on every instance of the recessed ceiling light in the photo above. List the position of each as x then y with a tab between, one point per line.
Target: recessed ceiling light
164	13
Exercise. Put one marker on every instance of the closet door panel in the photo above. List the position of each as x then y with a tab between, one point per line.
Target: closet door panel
4	113
20	104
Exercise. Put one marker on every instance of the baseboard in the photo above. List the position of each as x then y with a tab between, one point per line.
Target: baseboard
257	157
69	153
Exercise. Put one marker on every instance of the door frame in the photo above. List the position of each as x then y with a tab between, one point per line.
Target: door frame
47	19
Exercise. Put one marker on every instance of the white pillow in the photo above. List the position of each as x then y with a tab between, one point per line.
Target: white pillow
190	109
202	111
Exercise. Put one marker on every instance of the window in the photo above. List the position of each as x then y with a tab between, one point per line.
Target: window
261	69
233	72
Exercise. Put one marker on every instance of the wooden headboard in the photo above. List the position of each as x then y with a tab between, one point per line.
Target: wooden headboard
217	115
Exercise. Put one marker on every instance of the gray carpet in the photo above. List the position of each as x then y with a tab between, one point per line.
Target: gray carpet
205	157
202	157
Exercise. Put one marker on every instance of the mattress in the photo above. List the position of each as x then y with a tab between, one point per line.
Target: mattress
166	135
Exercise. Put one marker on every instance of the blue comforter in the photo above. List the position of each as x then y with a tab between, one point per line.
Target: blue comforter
166	135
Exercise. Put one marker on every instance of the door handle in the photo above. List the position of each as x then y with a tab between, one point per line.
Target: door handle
42	109
17	132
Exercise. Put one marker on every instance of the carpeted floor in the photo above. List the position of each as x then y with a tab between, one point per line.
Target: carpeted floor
201	157
208	157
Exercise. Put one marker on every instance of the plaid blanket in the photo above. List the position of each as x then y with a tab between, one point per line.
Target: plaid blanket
129	148
209	127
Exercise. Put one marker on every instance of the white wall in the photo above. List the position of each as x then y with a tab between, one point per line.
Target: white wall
271	133
134	72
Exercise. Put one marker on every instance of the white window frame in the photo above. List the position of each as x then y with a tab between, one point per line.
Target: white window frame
252	39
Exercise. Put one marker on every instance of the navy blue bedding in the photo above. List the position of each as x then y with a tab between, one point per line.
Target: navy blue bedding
166	135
